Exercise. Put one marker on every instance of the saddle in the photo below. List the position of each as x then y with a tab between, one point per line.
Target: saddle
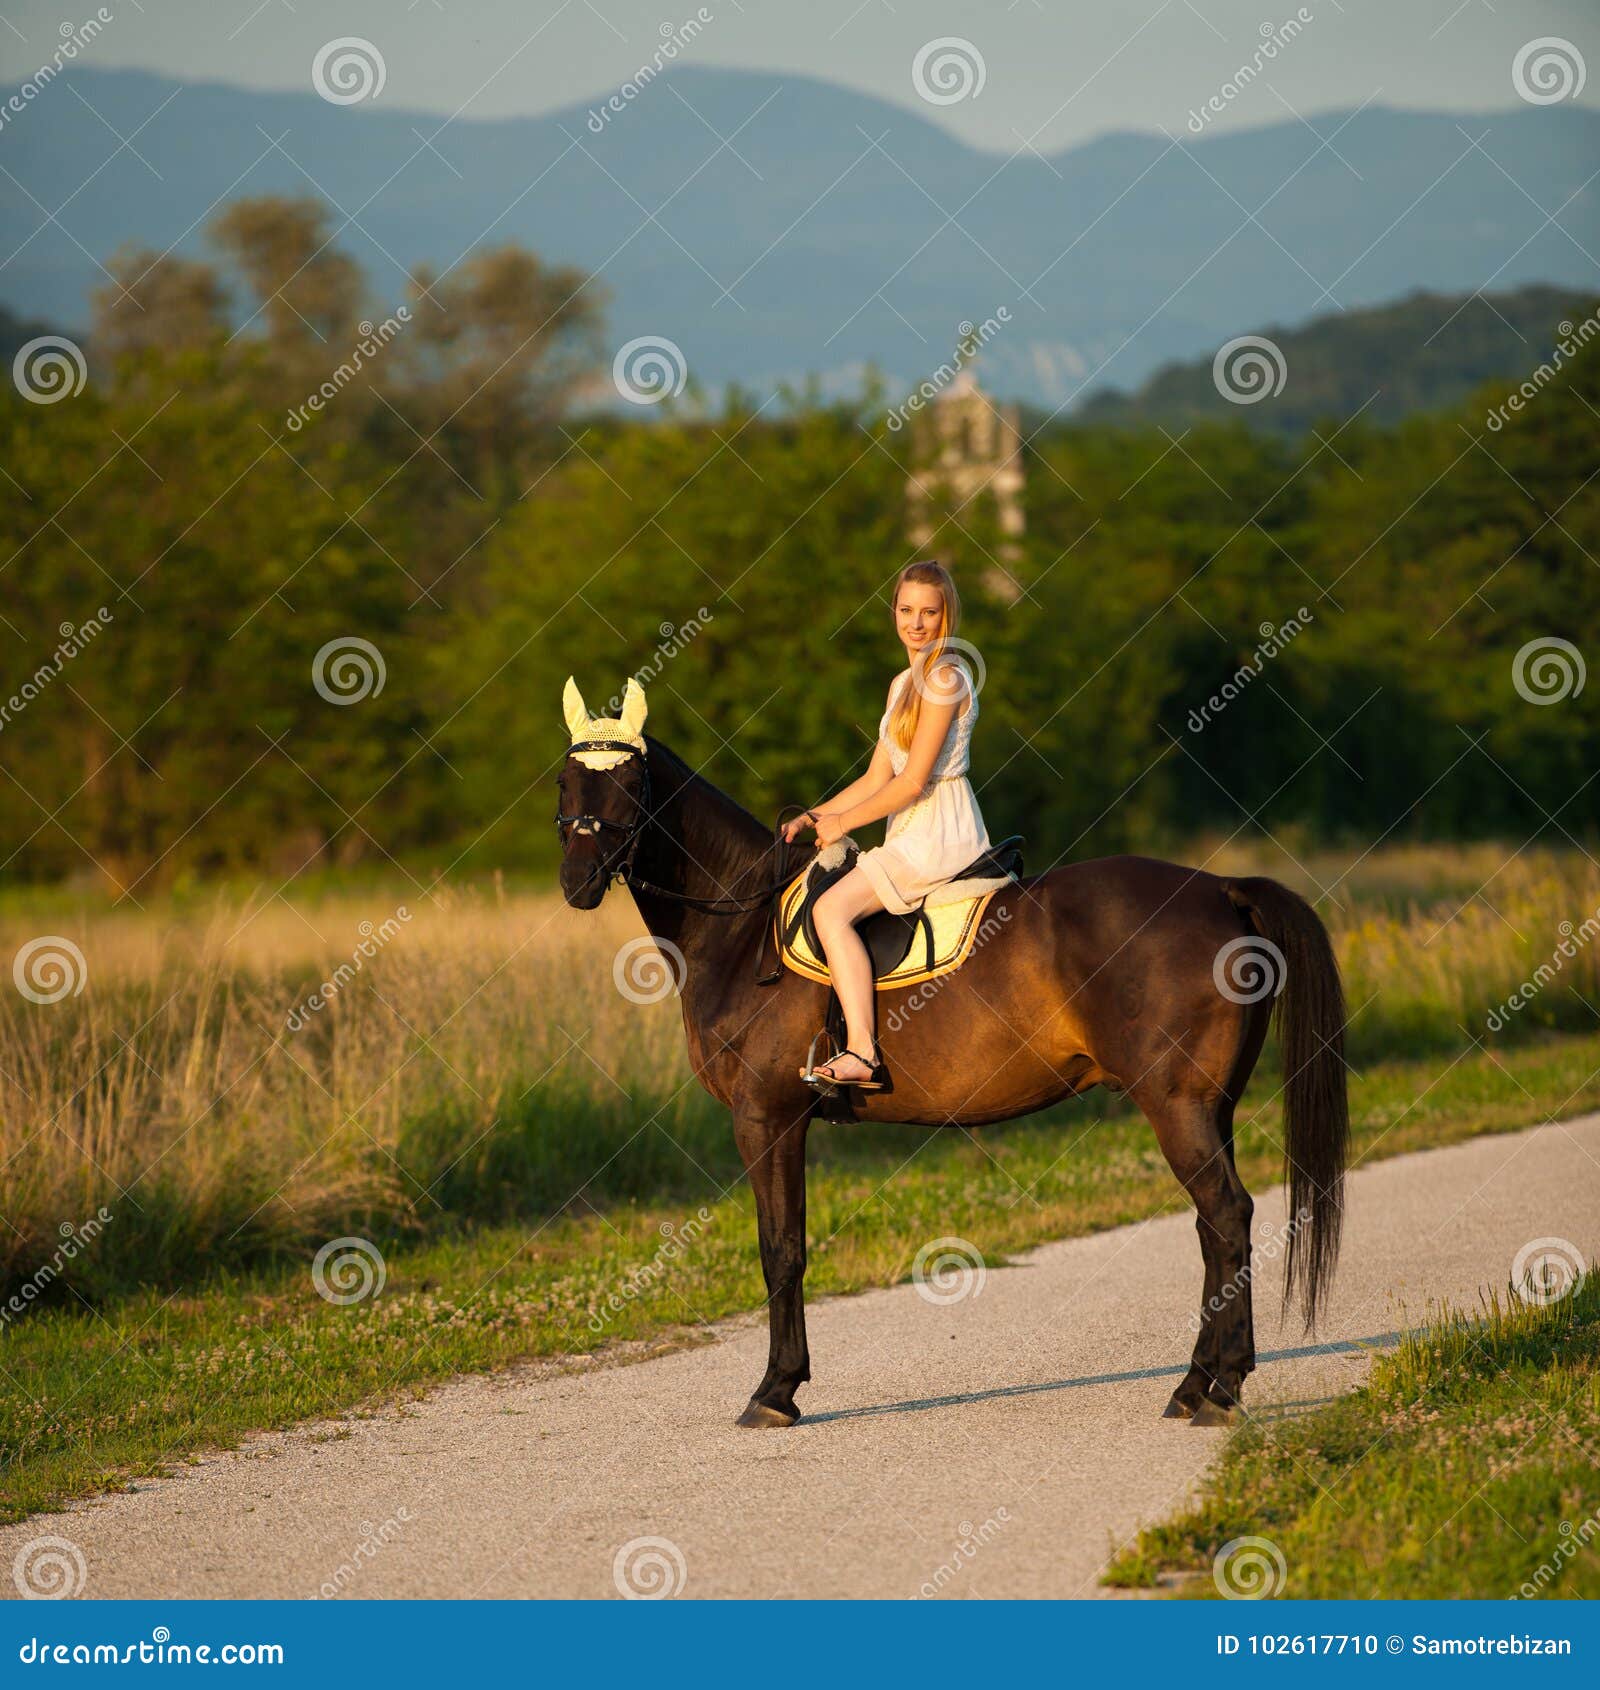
922	944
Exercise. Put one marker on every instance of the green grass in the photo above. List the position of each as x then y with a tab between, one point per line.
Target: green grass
1467	1465
91	1396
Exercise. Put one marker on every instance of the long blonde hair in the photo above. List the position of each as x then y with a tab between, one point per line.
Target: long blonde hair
908	705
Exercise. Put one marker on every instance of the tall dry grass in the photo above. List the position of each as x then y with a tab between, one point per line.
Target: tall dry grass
482	1063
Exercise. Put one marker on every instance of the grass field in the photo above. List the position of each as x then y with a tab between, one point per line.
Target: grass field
479	1104
1467	1465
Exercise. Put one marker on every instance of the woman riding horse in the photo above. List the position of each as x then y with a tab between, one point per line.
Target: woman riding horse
918	779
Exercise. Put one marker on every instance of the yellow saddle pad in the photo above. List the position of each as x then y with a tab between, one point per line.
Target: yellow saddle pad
954	930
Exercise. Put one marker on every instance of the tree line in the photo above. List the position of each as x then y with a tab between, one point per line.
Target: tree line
341	645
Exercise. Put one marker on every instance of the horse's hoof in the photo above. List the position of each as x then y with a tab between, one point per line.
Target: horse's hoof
1178	1409
1214	1414
758	1417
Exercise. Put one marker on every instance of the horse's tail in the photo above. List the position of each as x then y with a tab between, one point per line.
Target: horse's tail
1310	1020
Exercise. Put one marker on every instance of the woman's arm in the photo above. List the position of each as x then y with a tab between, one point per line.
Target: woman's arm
943	698
879	772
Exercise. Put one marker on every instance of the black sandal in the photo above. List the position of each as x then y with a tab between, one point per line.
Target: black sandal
876	1080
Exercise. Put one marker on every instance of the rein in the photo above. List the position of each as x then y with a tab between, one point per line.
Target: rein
742	904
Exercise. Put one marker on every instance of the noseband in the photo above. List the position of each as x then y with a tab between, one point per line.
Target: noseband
586	824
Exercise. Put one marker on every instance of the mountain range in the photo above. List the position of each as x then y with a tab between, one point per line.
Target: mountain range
777	228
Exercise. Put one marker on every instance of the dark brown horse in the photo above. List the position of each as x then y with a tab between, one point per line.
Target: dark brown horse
1118	973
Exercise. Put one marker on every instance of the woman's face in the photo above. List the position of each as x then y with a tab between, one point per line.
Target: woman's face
918	612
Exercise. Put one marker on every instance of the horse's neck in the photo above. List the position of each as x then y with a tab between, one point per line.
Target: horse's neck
703	845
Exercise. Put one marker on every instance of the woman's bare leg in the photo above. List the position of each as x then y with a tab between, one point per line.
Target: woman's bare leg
837	911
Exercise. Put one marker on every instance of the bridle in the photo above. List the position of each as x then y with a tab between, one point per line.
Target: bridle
622	868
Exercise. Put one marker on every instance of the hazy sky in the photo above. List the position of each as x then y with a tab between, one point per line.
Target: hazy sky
1055	71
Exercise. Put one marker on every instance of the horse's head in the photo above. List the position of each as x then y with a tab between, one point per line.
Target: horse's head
603	794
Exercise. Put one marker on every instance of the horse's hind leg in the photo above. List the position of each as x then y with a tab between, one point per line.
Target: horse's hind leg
1196	1137
772	1143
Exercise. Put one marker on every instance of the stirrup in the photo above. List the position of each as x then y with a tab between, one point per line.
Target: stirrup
876	1079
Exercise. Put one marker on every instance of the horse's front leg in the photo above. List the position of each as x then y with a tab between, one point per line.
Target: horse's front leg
772	1141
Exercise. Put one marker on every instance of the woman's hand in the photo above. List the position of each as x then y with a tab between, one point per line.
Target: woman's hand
797	826
830	828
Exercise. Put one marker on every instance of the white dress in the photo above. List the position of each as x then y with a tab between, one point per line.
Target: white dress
934	838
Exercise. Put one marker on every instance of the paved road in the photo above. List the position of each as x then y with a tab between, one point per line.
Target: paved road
1024	1420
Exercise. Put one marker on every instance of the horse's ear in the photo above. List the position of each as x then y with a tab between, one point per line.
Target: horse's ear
633	708
574	709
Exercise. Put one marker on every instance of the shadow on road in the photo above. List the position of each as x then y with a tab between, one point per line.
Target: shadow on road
1380	1340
